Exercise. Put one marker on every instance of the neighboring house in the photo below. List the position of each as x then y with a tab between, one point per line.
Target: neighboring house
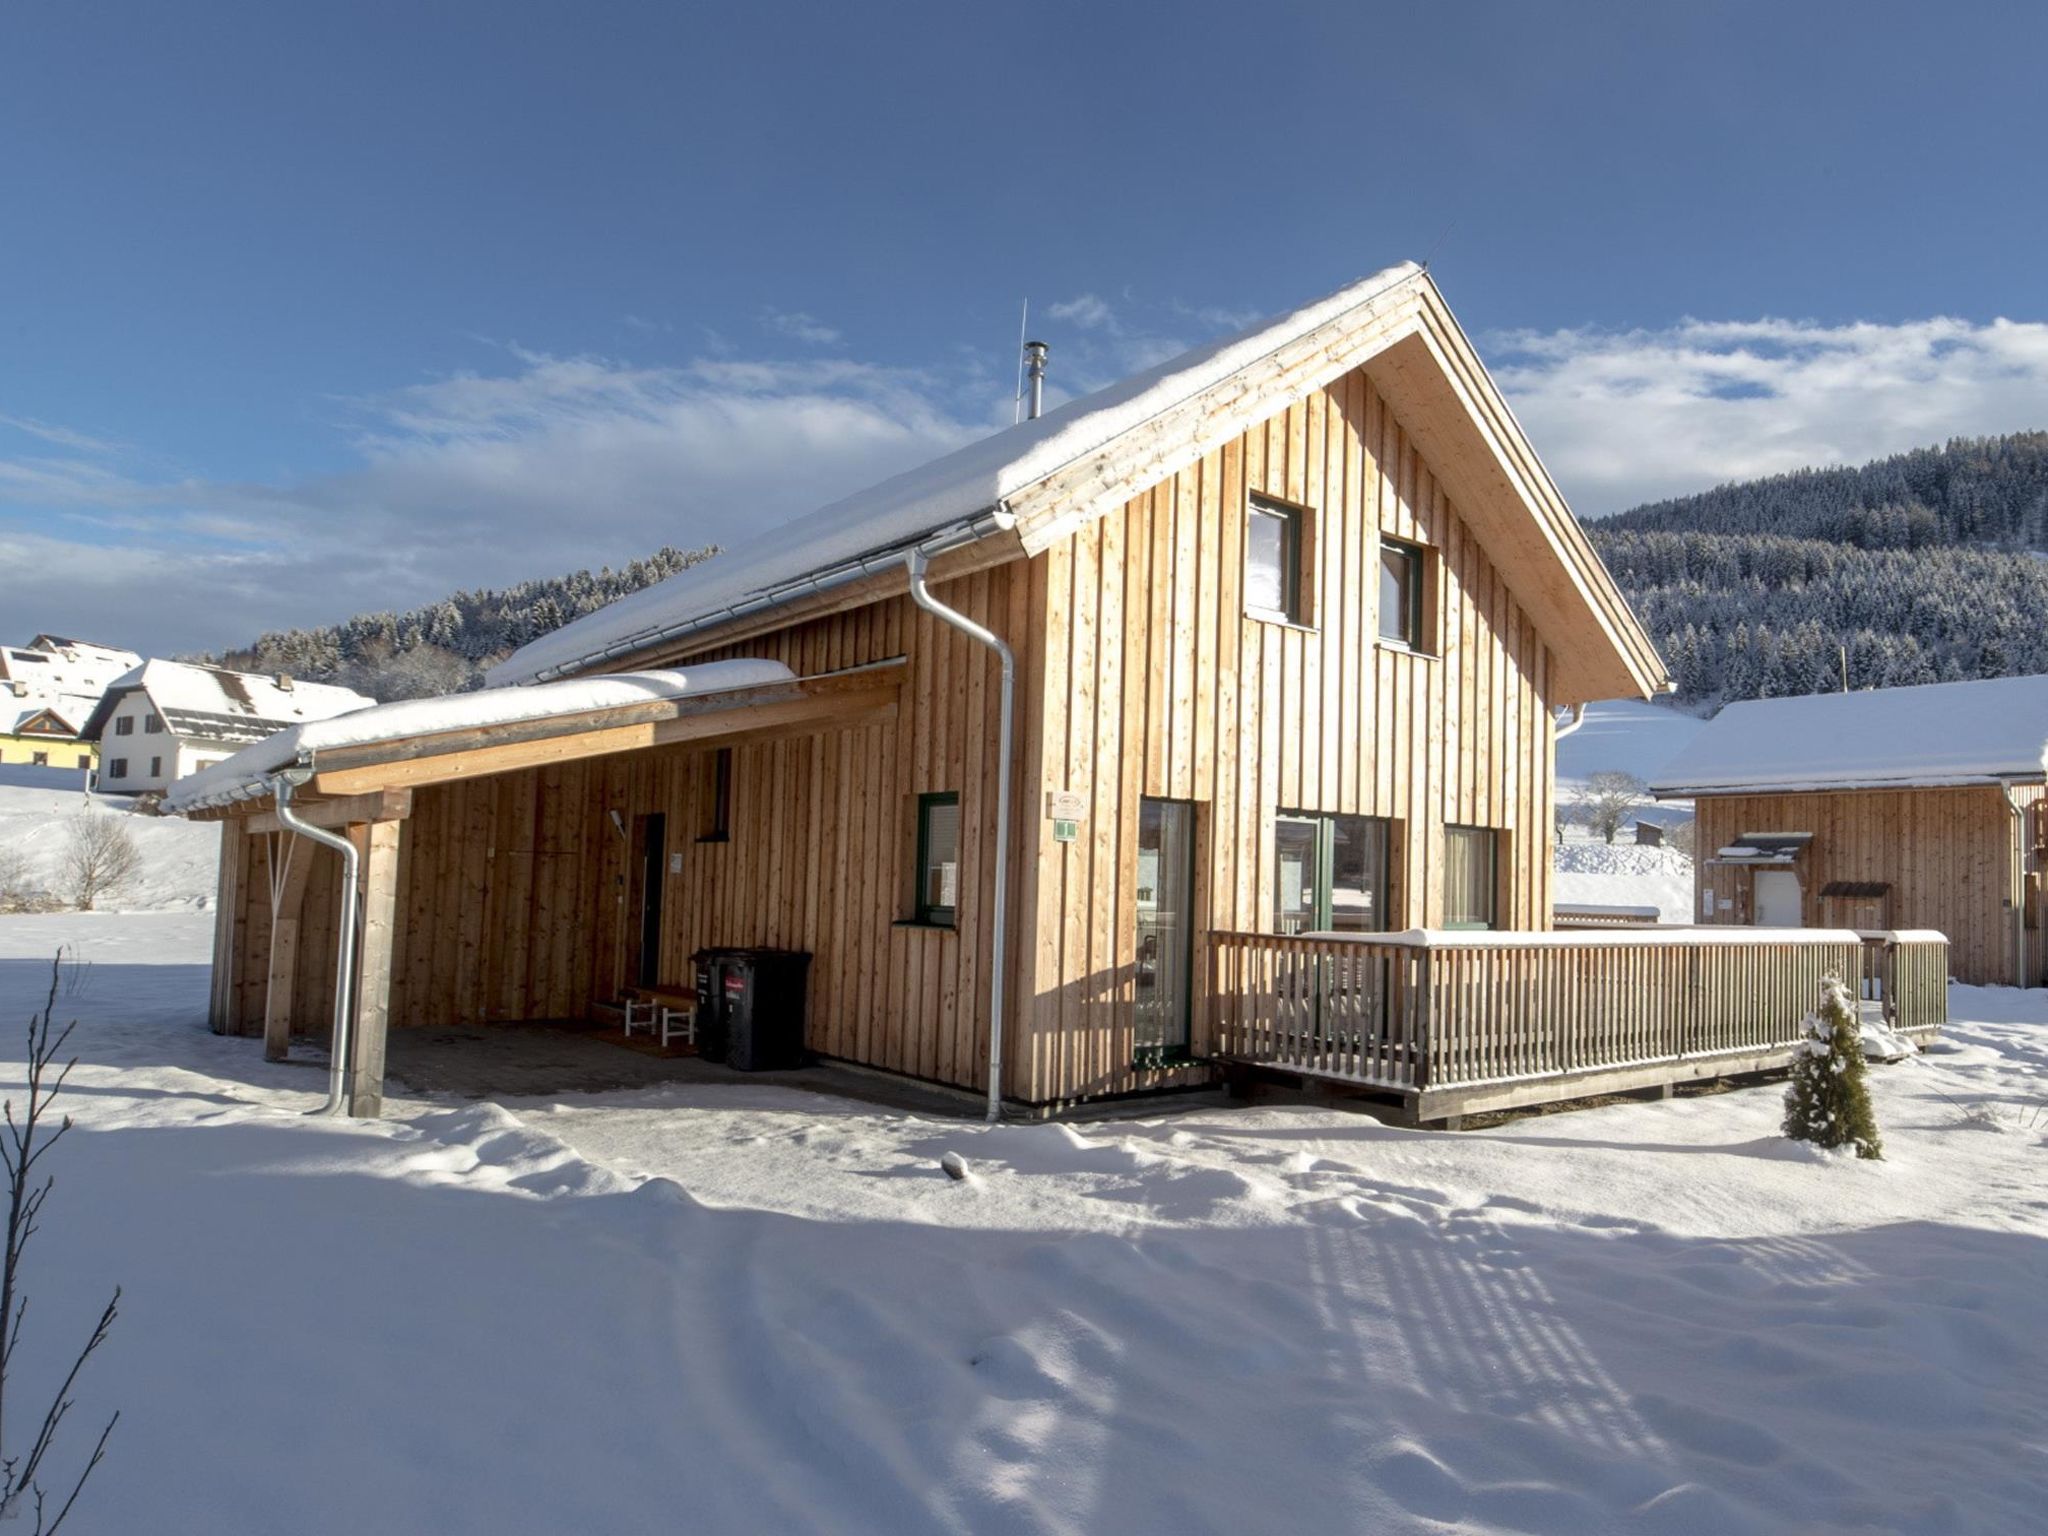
1894	808
48	689
1292	616
165	719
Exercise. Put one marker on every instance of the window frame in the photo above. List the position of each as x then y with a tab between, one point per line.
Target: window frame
152	723
124	725
156	767
118	768
1491	883
717	822
926	913
1297	552
1414	636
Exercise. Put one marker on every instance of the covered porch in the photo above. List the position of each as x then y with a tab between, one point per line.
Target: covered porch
526	871
1458	1023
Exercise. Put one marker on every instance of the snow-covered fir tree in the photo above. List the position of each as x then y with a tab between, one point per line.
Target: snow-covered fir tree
1827	1102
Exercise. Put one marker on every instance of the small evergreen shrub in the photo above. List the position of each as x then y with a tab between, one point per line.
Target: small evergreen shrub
1828	1101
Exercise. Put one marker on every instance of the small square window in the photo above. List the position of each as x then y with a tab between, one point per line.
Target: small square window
1471	877
85	759
938	858
1401	567
118	769
125	726
1273	560
152	724
39	759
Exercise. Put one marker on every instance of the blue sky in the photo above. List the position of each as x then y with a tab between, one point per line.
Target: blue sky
305	310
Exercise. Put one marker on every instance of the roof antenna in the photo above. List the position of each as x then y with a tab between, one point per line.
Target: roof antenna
1023	330
1449	229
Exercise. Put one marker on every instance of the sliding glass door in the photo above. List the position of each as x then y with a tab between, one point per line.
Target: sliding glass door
1165	911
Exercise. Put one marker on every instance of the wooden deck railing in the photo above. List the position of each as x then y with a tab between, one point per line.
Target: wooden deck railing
1907	971
1437	1016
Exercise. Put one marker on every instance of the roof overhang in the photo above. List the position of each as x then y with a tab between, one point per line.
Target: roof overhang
1843	786
1423	364
385	772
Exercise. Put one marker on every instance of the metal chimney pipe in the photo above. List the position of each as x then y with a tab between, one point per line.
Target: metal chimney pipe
1034	367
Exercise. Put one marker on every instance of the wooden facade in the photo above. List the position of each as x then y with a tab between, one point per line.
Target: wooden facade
1953	859
518	856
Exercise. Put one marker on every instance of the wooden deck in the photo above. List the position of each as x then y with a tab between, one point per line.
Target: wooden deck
1459	1023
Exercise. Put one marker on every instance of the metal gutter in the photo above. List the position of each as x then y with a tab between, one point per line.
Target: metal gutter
338	1045
914	563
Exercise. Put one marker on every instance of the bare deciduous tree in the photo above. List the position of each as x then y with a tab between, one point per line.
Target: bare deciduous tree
1684	836
1604	801
17	890
27	1142
100	857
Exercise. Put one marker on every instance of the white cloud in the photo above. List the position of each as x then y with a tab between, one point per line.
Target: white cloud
800	326
1629	416
471	480
1087	313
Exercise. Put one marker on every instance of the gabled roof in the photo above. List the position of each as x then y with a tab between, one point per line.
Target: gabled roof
216	705
1937	734
1034	484
64	666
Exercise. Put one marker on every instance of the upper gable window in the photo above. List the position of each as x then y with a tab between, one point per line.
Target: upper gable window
1401	588
1275	536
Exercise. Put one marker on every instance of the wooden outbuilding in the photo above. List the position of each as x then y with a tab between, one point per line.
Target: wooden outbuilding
1292	620
1888	809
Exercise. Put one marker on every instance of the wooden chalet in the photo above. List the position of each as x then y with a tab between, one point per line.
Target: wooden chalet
1891	808
1292	621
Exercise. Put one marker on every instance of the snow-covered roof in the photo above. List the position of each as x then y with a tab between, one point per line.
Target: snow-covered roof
66	666
250	769
1940	733
213	704
948	491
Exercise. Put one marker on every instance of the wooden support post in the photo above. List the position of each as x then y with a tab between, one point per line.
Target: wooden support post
380	842
287	893
227	927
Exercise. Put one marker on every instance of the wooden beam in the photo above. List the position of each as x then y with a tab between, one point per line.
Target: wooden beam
348	810
816	704
285	900
380	843
227	910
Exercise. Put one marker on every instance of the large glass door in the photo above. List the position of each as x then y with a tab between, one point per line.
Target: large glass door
1165	911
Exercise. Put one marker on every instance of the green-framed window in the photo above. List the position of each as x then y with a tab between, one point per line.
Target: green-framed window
1401	591
1275	536
938	858
1331	873
1471	877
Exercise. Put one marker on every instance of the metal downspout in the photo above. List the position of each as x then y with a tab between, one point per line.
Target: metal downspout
345	963
914	561
2019	883
1578	719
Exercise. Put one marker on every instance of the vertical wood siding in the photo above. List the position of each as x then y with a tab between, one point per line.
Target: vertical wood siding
1157	684
1946	853
1138	675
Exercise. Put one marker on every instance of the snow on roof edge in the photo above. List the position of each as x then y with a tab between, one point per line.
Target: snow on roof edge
972	479
1930	734
247	772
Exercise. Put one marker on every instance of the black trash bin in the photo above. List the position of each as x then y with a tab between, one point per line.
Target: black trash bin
710	987
761	1007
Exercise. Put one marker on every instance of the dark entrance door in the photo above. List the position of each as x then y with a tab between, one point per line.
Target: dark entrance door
650	835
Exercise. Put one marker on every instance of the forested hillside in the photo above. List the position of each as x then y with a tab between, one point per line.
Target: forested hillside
1985	491
1920	565
445	648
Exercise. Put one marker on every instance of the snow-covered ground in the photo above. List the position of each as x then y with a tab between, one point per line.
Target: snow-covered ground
1623	737
180	859
1591	872
753	1310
